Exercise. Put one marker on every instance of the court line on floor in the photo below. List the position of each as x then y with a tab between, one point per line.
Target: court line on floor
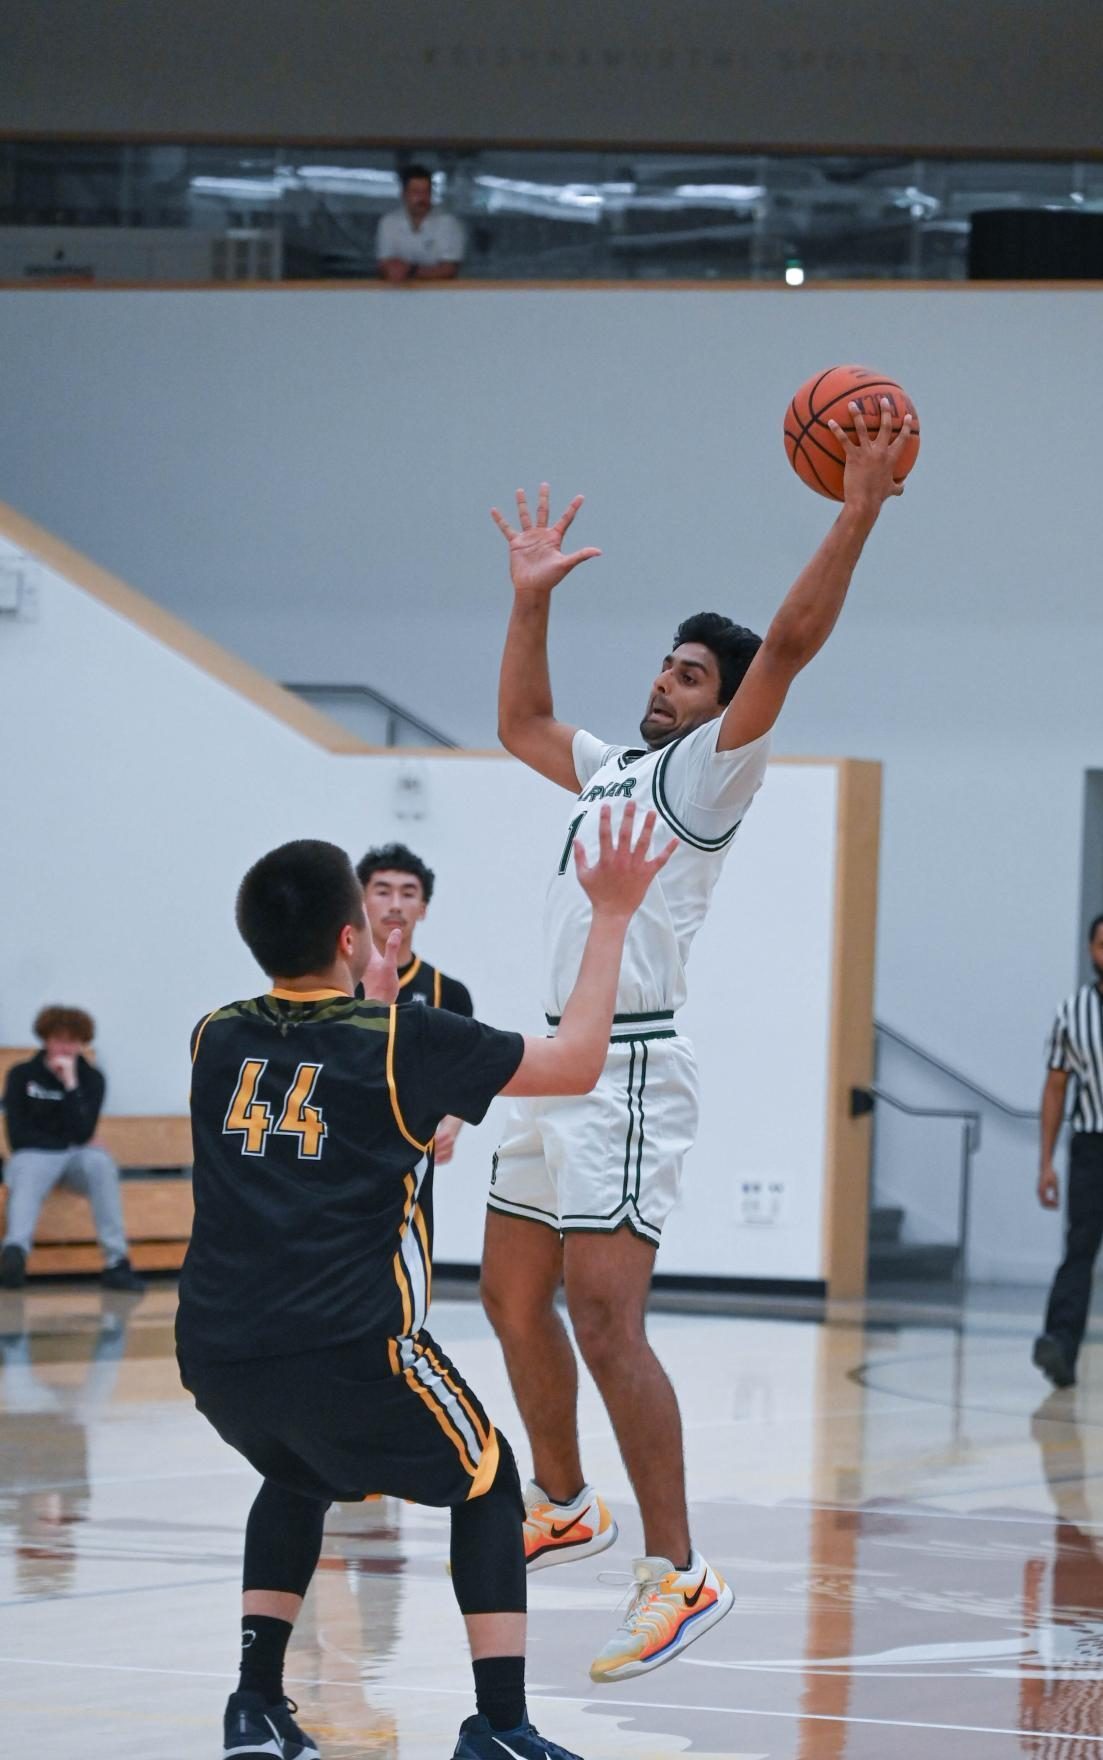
1042	1519
126	1479
915	1512
420	1687
862	1372
136	1589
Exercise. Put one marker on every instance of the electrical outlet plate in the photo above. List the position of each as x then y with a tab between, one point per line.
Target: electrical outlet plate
19	589
761	1203
11	588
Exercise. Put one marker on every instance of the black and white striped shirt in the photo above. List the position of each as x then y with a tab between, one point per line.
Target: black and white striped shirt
1076	1045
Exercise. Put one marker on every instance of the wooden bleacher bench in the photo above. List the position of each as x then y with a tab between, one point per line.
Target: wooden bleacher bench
157	1208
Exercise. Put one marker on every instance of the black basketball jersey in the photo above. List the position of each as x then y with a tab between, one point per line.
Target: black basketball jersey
312	1125
420	982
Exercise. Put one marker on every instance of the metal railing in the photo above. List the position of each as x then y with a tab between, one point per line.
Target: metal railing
862	1100
955	1075
334	698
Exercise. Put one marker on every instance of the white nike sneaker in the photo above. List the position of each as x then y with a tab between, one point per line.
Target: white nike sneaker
668	1611
556	1533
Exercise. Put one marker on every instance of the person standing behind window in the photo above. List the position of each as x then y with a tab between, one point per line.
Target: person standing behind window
418	242
1076	1050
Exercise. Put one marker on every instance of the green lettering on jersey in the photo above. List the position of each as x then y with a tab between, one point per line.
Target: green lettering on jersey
610	791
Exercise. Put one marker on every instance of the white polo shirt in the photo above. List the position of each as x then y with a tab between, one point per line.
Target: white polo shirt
439	238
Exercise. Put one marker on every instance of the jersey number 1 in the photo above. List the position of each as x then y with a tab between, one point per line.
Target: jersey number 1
572	833
252	1118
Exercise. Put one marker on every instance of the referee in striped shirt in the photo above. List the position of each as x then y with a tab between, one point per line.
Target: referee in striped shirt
1076	1050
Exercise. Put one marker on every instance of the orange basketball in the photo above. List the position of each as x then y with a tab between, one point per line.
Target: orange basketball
811	447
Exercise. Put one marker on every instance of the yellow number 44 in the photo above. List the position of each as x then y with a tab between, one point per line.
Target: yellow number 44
252	1118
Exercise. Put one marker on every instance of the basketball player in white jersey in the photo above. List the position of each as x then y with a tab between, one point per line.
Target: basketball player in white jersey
581	1187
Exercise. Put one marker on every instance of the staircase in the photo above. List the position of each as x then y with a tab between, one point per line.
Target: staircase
892	1260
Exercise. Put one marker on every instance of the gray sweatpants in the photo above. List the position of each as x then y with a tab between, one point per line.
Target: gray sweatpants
31	1174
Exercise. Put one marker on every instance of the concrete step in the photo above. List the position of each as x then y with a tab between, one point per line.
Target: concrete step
885	1221
912	1261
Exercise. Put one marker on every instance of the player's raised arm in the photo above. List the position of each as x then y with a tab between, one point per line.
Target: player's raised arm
527	726
572	1061
810	609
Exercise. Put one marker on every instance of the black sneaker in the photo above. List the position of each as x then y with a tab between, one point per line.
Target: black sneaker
13	1268
1051	1358
297	1745
122	1275
479	1741
251	1728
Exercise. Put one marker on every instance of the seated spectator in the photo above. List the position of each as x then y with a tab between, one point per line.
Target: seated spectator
417	242
52	1105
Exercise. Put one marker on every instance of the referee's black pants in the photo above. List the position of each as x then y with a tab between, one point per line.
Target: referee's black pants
1070	1297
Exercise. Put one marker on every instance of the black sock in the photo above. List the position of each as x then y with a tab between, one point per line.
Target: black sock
500	1690
263	1647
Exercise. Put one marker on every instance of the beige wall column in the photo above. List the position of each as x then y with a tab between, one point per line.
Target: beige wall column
846	1182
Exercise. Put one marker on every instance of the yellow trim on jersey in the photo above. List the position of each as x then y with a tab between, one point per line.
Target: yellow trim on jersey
400	1276
395	1108
436	988
487	1470
305	995
409	975
202	1029
476	1422
442	1418
423	1237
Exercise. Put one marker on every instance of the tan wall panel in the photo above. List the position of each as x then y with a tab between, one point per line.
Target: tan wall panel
846	1186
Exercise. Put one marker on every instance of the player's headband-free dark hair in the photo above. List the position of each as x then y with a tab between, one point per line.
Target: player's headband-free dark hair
293	904
1096	925
732	646
396	858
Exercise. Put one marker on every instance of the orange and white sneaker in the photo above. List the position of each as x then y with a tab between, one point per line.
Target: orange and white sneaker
556	1533
668	1610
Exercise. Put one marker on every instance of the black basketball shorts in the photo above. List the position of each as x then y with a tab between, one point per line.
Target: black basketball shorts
377	1416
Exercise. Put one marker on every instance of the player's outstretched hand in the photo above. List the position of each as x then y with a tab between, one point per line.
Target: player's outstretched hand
536	559
615	884
381	972
868	476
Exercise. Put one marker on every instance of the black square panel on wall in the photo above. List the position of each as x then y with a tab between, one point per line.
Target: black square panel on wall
1036	244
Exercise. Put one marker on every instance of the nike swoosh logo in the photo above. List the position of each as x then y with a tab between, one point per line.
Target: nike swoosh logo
692	1600
499	1743
558	1533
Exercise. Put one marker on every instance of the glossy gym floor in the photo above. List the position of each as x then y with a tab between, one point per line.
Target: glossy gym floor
913	1527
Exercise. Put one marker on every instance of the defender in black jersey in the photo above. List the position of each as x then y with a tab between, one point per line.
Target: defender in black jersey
306	1284
398	889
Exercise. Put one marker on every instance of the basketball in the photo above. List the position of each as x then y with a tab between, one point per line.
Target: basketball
812	449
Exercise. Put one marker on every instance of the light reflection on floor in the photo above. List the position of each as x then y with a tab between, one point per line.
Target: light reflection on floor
913	1528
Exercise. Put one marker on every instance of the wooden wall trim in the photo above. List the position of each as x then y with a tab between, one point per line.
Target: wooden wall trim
218	662
850	1056
173	633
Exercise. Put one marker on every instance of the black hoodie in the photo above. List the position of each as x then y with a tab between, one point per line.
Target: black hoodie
40	1113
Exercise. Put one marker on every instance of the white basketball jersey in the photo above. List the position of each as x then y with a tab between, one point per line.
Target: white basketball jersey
701	796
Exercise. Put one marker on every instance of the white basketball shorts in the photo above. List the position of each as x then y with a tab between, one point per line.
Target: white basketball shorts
609	1159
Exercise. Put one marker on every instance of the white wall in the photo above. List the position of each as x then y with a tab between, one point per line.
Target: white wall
306	476
143	800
